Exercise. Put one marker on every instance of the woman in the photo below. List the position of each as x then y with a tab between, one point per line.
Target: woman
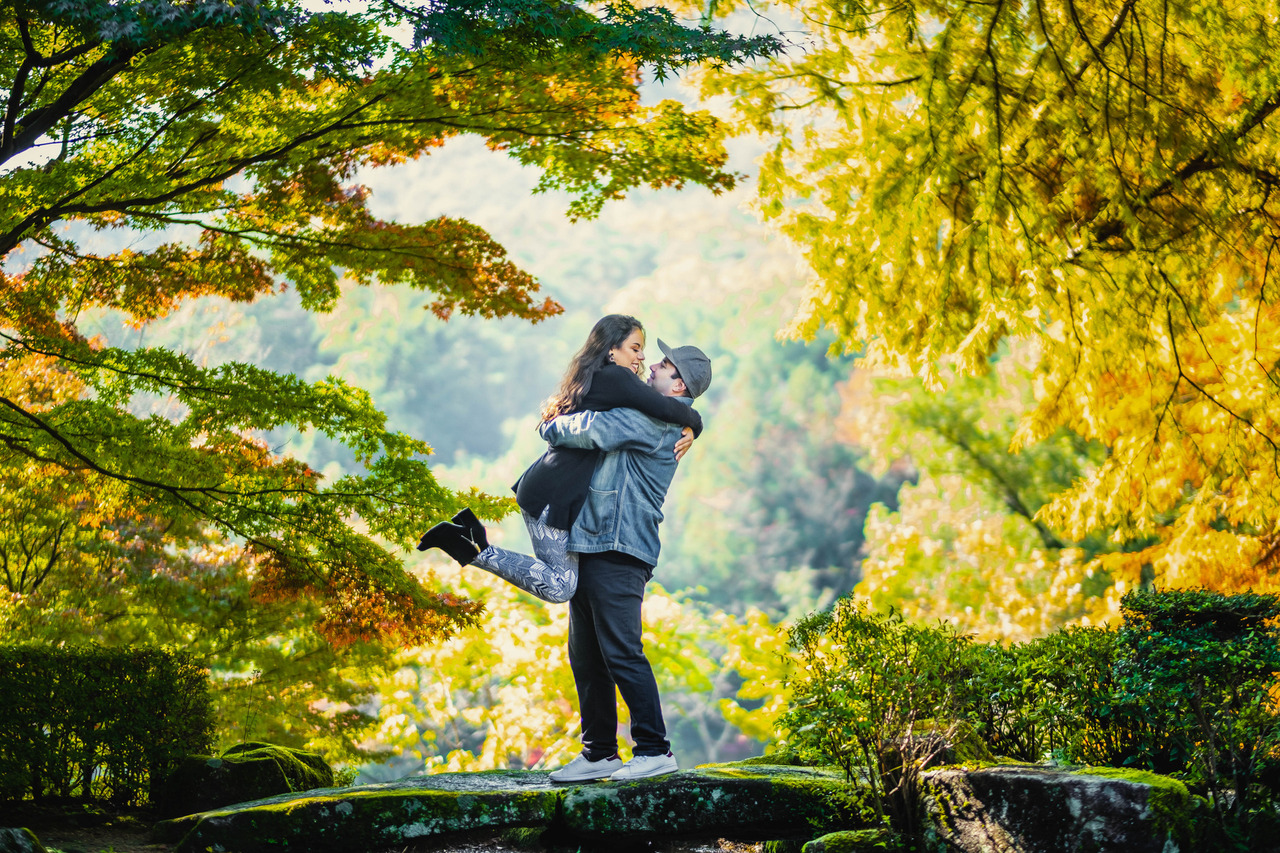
603	375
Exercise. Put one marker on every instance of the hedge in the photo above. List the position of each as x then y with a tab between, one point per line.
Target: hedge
91	723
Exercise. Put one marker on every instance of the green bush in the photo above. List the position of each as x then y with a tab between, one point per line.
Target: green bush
877	692
97	724
1058	697
1204	665
1185	687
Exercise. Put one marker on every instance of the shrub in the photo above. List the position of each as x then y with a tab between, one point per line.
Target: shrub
1058	697
1185	687
97	724
875	691
1203	664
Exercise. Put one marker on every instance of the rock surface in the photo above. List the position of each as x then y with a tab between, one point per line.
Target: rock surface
19	840
1026	809
999	809
743	802
853	841
755	802
247	771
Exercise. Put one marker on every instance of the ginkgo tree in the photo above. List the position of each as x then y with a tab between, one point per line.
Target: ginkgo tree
965	544
156	151
1096	180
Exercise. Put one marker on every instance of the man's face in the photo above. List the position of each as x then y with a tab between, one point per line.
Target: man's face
663	378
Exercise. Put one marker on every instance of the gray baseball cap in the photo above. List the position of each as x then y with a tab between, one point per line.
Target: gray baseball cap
693	365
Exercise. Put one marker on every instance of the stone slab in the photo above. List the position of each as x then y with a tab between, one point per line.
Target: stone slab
1029	809
744	802
370	817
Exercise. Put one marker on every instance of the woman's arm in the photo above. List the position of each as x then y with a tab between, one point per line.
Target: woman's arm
616	387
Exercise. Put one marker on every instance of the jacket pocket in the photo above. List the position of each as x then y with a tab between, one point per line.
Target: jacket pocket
600	514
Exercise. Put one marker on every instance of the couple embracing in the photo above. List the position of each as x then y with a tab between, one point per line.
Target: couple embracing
593	503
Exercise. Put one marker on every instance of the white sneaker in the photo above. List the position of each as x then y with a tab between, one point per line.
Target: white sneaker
582	770
644	766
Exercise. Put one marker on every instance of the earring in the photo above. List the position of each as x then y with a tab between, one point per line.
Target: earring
611	359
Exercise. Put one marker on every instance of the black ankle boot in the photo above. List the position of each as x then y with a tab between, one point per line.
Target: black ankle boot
474	530
454	540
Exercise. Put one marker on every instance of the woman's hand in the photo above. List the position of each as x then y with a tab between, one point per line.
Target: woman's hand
684	443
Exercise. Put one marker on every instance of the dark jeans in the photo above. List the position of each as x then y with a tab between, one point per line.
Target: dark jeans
606	650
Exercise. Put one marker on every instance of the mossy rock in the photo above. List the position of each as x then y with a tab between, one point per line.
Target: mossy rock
783	845
740	800
246	772
1174	808
874	840
1049	809
19	840
783	758
372	817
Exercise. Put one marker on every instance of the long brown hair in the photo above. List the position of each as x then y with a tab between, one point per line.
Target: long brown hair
609	332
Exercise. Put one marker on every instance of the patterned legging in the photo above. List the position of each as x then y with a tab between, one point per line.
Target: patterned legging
551	574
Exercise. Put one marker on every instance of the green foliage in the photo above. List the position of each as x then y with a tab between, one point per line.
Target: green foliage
98	724
1058	697
1204	664
535	28
214	150
1185	687
970	430
126	583
970	542
874	691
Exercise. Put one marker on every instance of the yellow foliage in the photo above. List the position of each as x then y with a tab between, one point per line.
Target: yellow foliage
951	555
1092	184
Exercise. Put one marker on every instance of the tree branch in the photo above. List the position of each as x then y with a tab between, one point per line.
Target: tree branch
1182	374
38	122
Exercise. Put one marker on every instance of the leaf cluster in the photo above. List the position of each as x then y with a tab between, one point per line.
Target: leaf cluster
874	693
1205	663
969	542
1060	697
88	723
213	149
537	29
1098	181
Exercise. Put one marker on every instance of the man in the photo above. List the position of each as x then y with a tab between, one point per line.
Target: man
616	538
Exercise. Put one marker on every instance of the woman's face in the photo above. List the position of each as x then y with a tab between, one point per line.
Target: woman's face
631	353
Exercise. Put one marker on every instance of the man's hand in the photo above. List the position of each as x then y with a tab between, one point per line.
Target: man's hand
684	443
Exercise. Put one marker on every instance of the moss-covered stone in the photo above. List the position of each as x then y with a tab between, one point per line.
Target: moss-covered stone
375	816
872	840
744	801
1023	808
783	758
1172	805
303	770
19	840
783	845
246	772
1036	809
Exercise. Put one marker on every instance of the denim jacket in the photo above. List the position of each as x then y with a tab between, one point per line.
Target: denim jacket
624	504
